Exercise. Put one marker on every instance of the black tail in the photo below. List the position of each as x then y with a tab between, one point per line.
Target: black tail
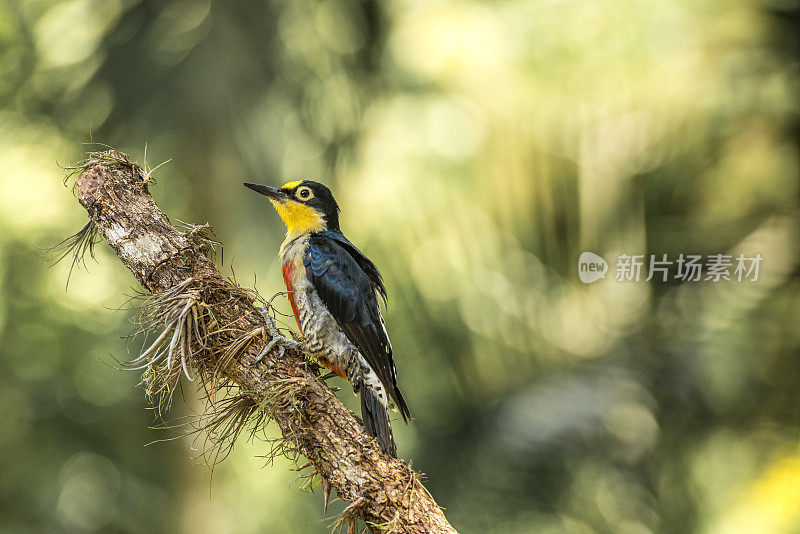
401	404
376	420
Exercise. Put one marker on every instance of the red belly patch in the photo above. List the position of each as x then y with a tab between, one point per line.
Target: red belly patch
288	269
333	367
288	277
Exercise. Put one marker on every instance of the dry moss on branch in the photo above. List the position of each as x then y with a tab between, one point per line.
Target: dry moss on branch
180	320
188	333
76	245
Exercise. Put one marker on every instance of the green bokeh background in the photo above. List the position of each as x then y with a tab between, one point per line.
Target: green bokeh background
476	148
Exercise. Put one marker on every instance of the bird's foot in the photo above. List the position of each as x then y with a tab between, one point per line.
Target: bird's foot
328	376
278	340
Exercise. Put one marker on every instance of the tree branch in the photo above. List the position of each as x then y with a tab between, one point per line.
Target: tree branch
211	325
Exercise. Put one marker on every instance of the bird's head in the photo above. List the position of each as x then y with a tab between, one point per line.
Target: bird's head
305	206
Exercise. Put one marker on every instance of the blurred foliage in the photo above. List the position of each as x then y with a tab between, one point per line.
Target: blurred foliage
476	148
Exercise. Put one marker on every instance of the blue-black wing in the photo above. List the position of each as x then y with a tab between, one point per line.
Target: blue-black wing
369	268
350	295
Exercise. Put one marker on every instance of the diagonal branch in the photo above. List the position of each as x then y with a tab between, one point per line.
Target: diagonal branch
212	326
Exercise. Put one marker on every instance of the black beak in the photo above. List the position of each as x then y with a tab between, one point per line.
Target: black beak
271	192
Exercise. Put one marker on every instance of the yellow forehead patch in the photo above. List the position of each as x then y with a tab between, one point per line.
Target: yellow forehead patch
291	185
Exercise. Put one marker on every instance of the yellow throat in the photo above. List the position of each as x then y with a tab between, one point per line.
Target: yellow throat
299	218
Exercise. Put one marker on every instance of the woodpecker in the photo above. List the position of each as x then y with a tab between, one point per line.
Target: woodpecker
333	290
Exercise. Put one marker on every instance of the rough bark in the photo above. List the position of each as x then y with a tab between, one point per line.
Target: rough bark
384	492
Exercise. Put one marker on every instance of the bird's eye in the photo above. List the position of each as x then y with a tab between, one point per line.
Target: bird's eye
304	193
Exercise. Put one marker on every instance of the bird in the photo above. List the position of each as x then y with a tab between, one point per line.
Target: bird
333	290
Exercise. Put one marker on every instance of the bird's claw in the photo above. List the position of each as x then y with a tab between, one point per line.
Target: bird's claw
278	340
327	376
